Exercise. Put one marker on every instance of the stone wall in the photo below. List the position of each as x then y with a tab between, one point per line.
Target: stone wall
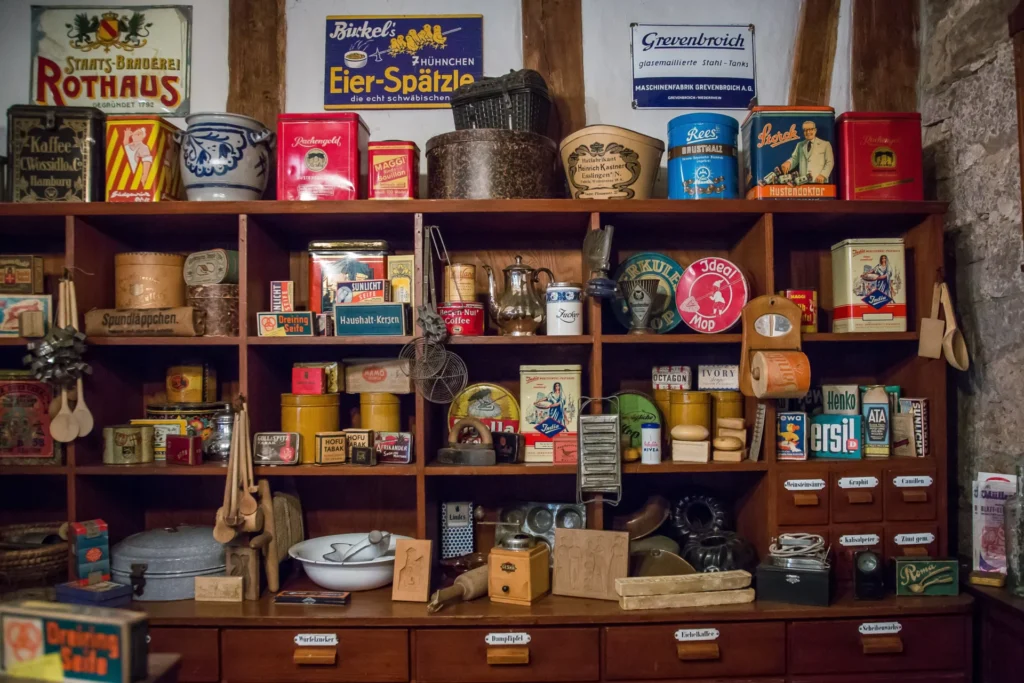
967	101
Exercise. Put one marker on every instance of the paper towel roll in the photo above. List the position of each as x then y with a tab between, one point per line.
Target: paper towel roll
780	374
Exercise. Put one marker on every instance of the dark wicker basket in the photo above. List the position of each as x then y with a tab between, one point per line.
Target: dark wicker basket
42	566
517	101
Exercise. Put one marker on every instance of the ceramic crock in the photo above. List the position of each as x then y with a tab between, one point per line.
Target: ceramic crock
225	157
161	564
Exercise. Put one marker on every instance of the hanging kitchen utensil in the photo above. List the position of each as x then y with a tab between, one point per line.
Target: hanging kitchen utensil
63	428
597	250
82	414
933	329
599	463
267	542
247	503
954	347
771	362
223	529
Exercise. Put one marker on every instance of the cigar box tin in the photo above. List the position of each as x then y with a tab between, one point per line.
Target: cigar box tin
333	376
387	375
880	153
791	436
282	296
389	319
212	267
363	292
321	156
276	448
161	430
671	377
789	153
463	318
21	274
400	273
394	168
550	401
143	163
331	448
868	290
841	399
358	437
918	408
926	576
92	644
836	436
807	300
309	380
363	455
184	450
718	378
55	154
13	305
294	324
332	262
393	448
128	444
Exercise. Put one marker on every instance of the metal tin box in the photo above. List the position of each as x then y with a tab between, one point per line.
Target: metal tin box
321	156
880	153
789	153
162	564
794	586
56	154
869	292
488	163
394	168
550	404
21	274
142	160
25	414
702	157
331	262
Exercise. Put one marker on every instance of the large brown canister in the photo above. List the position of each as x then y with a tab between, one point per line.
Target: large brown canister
690	408
662	399
309	414
149	280
379	411
220	303
725	404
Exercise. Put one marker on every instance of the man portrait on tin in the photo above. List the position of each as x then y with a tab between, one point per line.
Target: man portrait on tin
812	157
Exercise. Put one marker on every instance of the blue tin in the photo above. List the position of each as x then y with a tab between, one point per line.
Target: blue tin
789	153
370	319
702	160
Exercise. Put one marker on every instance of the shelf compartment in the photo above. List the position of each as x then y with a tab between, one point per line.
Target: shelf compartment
374	340
537	340
672	338
33	470
668	466
207	469
337	471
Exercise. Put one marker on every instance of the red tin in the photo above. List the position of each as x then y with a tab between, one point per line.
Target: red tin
880	156
394	168
463	318
711	295
184	450
321	156
807	300
309	381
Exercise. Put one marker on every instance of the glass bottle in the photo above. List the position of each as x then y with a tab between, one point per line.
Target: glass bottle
1013	531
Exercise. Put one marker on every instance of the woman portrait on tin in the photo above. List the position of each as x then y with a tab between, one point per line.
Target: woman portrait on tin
554	403
878	279
138	152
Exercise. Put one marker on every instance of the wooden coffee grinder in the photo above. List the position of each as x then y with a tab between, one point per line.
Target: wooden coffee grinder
518	570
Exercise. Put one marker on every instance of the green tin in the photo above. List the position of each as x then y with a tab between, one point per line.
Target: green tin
927	576
635	410
370	319
653	266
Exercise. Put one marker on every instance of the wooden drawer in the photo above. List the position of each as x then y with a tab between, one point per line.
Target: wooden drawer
269	655
856	496
799	500
849	539
198	647
653	652
927	643
886	678
907	539
461	655
910	494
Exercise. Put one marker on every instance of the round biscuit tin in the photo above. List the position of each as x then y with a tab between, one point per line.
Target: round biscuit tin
711	295
702	157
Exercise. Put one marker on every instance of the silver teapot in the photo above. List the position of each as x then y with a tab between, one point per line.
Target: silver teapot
519	309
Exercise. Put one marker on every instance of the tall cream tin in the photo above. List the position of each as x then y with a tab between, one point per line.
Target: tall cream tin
869	286
549	398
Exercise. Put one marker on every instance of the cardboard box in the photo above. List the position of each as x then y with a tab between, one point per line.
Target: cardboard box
390	375
13	305
331	372
309	381
718	378
792	433
295	324
21	274
370	319
400	273
145	322
836	436
363	292
331	448
282	296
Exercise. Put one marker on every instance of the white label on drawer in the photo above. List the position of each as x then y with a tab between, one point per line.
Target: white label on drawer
688	635
914	539
316	639
858	482
858	540
912	482
804	484
507	638
879	628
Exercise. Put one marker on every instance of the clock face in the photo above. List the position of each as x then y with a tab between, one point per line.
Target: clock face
867	562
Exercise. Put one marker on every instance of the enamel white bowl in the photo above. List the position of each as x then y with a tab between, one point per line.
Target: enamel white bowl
350	576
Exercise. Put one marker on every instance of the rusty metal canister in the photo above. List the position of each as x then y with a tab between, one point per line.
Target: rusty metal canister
220	303
690	408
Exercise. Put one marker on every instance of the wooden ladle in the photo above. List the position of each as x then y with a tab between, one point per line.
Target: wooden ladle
247	505
64	427
954	347
223	527
82	414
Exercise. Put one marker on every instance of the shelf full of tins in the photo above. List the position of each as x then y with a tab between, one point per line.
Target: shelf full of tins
778	245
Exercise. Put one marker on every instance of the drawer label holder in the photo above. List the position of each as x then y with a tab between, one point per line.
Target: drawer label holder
880	628
848	540
515	638
915	539
689	635
858	482
805	484
316	639
915	481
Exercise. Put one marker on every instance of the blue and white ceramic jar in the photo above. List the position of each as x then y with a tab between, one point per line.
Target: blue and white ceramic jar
565	308
225	157
702	161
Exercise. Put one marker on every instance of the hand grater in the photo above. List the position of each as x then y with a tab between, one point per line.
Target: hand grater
599	466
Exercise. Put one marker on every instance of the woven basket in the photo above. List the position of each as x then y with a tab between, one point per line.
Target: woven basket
40	566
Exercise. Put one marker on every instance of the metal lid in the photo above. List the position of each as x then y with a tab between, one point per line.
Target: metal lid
172	550
517	266
519	542
188	407
565	285
311	400
348	245
518	137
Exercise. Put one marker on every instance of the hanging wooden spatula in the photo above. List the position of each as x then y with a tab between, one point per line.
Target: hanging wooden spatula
933	328
82	414
63	428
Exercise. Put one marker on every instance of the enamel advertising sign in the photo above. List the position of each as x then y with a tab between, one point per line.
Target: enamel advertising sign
400	62
123	60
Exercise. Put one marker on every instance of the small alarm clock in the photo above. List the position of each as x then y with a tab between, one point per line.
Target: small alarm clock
868	576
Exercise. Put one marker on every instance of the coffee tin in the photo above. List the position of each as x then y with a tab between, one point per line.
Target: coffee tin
463	319
143	164
459	282
711	295
321	156
394	168
564	308
868	290
789	153
127	444
55	154
702	155
880	154
199	417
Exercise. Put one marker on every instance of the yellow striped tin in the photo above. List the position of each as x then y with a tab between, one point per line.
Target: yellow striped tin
142	160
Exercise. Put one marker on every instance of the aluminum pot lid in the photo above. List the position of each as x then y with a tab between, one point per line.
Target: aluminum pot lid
171	550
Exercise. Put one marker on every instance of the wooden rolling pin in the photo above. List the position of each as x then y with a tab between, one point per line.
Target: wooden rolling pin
468	586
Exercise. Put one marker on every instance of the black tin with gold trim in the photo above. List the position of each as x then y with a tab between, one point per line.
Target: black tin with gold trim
55	154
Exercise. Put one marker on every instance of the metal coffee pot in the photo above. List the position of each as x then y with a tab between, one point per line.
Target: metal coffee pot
519	309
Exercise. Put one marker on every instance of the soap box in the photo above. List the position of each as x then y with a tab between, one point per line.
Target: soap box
309	380
836	436
363	292
390	375
918	408
282	296
13	305
792	436
671	377
370	319
331	448
277	324
718	378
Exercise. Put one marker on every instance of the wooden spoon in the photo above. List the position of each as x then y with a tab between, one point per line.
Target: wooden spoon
82	414
64	427
953	345
248	505
223	531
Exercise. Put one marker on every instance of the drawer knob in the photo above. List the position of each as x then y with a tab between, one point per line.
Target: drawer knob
315	656
860	497
915	496
508	656
881	645
805	499
696	652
